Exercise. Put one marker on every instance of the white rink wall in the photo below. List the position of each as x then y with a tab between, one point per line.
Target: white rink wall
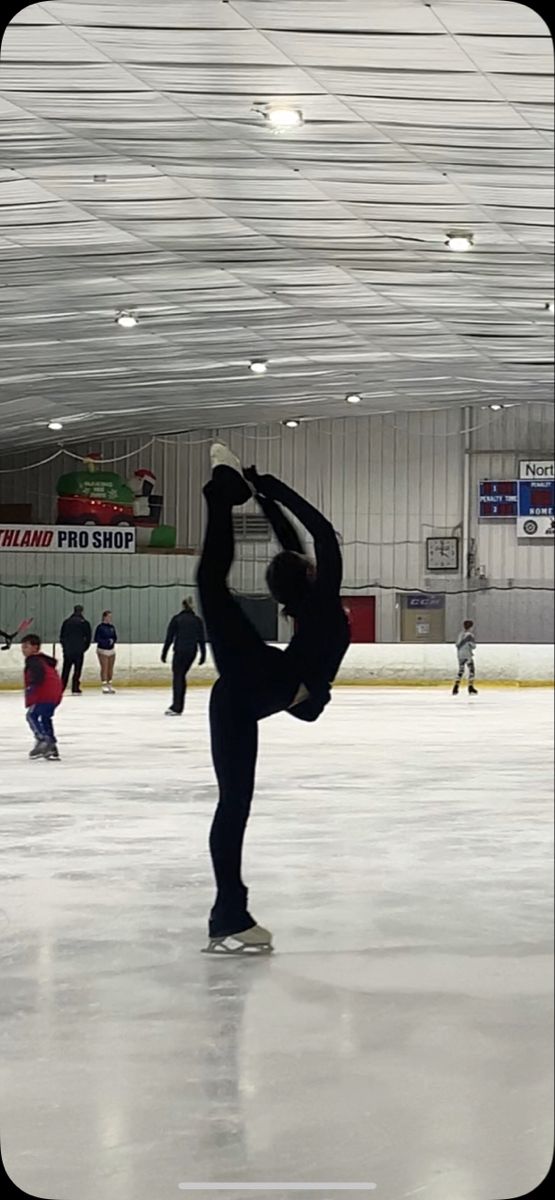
377	663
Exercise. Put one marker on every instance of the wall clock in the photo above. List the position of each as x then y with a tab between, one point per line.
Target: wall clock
442	554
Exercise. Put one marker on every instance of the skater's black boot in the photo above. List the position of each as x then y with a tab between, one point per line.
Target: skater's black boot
455	691
52	752
39	749
472	691
227	477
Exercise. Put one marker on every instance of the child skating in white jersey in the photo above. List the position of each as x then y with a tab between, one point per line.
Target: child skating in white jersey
466	645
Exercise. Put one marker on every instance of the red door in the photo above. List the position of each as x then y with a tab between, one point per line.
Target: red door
361	611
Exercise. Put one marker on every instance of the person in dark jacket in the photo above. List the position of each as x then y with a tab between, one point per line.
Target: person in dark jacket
256	680
75	639
186	635
106	637
43	692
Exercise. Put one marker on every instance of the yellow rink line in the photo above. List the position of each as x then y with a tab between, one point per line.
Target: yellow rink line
442	683
369	683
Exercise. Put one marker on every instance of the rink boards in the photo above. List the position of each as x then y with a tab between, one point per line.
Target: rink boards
374	665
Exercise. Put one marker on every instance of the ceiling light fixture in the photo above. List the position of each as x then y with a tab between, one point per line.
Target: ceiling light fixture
496	407
292	423
459	241
258	366
55	426
283	116
353	398
126	319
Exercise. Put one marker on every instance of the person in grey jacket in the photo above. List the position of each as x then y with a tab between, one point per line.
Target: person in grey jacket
466	645
186	634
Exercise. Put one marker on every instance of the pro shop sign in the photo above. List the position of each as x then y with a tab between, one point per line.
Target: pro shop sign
67	540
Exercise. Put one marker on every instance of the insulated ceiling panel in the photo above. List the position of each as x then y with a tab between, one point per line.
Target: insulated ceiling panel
136	171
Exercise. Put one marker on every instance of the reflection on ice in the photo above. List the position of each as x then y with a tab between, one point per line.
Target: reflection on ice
400	851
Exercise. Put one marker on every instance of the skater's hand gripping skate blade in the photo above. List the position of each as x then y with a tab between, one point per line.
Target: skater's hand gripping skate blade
253	941
253	478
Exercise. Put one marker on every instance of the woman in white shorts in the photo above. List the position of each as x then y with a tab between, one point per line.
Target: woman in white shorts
106	637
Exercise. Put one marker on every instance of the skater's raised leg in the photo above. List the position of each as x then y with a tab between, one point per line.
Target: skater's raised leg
231	634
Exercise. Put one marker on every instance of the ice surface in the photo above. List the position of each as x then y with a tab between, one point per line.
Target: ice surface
400	849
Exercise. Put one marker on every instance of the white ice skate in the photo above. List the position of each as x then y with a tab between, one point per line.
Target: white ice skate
222	456
106	689
255	940
170	712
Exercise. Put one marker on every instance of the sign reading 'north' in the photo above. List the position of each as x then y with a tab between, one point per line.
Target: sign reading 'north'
534	469
68	539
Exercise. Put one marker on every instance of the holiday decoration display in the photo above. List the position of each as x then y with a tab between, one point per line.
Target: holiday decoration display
95	496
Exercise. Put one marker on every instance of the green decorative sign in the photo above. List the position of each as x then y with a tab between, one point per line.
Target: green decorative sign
96	485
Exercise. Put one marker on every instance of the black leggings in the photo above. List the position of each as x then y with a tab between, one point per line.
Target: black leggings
181	665
72	659
255	681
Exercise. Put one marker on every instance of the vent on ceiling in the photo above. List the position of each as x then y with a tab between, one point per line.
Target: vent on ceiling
251	527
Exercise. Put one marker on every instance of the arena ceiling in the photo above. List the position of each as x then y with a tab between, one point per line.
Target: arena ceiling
139	172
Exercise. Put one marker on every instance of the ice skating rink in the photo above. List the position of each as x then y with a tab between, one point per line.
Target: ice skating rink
400	850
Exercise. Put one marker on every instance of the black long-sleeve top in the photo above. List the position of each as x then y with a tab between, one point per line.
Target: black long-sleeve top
322	634
186	634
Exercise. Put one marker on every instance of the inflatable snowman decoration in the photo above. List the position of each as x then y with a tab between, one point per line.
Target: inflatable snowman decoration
147	508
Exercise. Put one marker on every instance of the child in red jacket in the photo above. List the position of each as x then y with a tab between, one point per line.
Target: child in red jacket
43	692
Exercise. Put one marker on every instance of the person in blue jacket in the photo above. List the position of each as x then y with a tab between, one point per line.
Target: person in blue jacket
105	637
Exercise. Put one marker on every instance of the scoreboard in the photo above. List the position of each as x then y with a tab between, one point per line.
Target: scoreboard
536	508
528	501
498	499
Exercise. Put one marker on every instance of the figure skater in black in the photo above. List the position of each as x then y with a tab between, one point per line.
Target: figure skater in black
256	680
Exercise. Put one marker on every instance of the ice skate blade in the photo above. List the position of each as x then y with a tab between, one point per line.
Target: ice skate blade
220	946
